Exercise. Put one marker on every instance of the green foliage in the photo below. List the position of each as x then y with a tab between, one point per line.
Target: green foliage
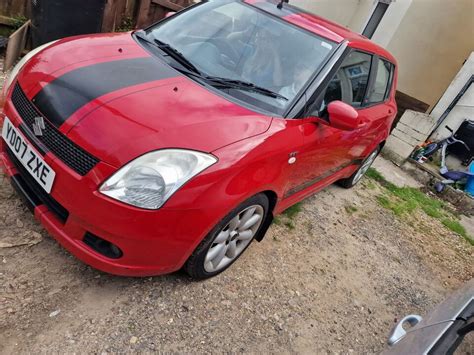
432	211
126	25
457	228
375	175
293	211
370	185
290	225
384	202
351	209
18	21
398	207
407	199
286	218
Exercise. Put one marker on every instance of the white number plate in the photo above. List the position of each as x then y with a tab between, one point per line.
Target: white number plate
29	158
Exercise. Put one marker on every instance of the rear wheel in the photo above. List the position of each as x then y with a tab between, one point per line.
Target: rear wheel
229	239
352	180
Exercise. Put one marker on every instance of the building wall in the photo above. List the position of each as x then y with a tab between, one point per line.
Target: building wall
432	42
390	22
465	106
340	11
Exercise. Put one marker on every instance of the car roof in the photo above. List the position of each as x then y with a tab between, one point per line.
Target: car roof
321	26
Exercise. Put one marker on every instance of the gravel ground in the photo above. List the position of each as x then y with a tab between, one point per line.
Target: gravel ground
332	280
333	283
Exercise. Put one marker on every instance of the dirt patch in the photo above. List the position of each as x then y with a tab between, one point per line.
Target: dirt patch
333	281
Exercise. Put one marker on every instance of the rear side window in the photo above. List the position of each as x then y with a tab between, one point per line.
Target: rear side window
382	83
350	83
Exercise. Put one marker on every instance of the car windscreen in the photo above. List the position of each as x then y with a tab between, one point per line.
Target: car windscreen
242	45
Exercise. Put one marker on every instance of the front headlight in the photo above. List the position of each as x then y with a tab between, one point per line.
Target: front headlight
22	62
150	180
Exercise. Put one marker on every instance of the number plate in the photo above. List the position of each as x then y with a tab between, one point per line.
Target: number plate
29	158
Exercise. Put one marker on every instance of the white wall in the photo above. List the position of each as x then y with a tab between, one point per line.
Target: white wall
465	106
340	11
391	21
431	43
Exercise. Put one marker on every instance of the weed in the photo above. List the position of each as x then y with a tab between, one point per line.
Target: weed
370	185
432	211
18	21
277	221
286	218
290	225
405	200
351	209
384	201
457	228
293	211
126	25
375	175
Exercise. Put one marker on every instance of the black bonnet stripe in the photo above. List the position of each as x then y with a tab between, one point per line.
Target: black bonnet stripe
65	95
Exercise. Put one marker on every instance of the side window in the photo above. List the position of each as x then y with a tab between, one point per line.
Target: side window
381	89
351	80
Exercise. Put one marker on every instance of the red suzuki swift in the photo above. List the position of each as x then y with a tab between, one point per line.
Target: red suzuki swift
173	147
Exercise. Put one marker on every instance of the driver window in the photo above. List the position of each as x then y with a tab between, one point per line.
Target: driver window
350	82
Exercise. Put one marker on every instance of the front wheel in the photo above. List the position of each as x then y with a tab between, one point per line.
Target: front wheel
229	239
357	176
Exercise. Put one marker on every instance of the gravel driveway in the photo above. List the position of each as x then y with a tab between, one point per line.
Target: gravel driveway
331	280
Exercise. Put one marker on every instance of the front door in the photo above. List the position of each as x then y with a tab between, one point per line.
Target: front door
326	150
364	82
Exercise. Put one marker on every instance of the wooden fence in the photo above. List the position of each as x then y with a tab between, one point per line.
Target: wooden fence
138	13
116	11
15	8
151	11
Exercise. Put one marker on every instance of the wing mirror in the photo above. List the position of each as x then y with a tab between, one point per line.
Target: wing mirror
343	116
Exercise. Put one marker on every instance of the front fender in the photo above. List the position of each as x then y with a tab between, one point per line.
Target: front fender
244	169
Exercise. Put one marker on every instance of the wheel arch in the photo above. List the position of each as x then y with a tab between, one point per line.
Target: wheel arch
272	200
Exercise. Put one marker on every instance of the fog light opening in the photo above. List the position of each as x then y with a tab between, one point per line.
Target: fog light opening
102	246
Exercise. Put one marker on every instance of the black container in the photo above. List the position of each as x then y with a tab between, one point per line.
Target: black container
466	134
54	19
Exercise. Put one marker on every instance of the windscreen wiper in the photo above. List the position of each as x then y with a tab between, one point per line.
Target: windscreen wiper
176	55
172	52
241	85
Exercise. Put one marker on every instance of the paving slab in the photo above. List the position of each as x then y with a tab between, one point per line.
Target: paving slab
468	224
394	174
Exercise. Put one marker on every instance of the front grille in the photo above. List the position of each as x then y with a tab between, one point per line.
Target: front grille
33	192
67	151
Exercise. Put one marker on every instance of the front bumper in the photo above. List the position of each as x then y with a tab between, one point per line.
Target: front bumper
152	242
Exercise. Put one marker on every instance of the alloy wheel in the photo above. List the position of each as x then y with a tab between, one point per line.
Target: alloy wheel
365	166
232	240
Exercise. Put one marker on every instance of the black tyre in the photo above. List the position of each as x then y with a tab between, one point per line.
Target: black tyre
229	239
352	180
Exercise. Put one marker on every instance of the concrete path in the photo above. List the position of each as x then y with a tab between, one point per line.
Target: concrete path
468	224
394	174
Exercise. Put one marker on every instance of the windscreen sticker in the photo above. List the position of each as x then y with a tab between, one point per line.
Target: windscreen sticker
326	45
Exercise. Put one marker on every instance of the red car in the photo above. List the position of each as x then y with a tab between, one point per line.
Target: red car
173	147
